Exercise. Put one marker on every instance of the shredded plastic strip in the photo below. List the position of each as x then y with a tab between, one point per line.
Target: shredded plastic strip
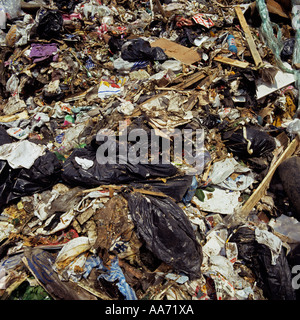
276	43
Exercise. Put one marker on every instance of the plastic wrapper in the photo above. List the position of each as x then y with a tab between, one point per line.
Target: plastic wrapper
288	226
2	17
12	7
203	20
18	133
114	275
57	222
229	174
294	127
12	153
19	33
70	251
167	232
12	84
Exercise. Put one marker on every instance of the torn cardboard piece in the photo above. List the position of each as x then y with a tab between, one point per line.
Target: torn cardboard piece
177	51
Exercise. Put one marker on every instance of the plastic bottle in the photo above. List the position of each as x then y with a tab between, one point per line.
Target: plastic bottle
190	192
2	17
231	44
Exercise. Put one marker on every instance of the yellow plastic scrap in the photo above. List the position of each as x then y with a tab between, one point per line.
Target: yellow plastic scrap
20	205
291	107
277	122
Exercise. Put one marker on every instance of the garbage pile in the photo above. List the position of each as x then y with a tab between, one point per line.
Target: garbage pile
122	81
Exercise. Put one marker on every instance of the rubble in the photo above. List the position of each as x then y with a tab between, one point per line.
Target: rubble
149	150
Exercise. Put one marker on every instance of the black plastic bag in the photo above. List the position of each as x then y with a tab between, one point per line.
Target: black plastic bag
4	136
6	173
294	262
288	49
15	183
249	142
168	233
274	280
43	174
141	50
5	182
115	44
174	187
158	54
50	25
66	5
289	173
117	173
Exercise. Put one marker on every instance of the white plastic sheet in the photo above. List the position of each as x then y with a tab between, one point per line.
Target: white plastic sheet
221	172
21	154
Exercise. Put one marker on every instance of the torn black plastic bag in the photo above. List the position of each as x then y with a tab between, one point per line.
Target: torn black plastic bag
6	180
40	263
288	49
249	142
167	232
289	173
5	171
99	174
141	50
294	262
174	187
43	174
4	136
50	25
274	280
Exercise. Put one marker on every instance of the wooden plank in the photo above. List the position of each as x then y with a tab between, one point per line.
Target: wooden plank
9	118
174	50
92	290
161	10
191	80
193	99
276	8
260	191
115	187
255	54
232	62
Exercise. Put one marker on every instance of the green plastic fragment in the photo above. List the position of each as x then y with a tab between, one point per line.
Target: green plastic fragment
210	189
200	194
